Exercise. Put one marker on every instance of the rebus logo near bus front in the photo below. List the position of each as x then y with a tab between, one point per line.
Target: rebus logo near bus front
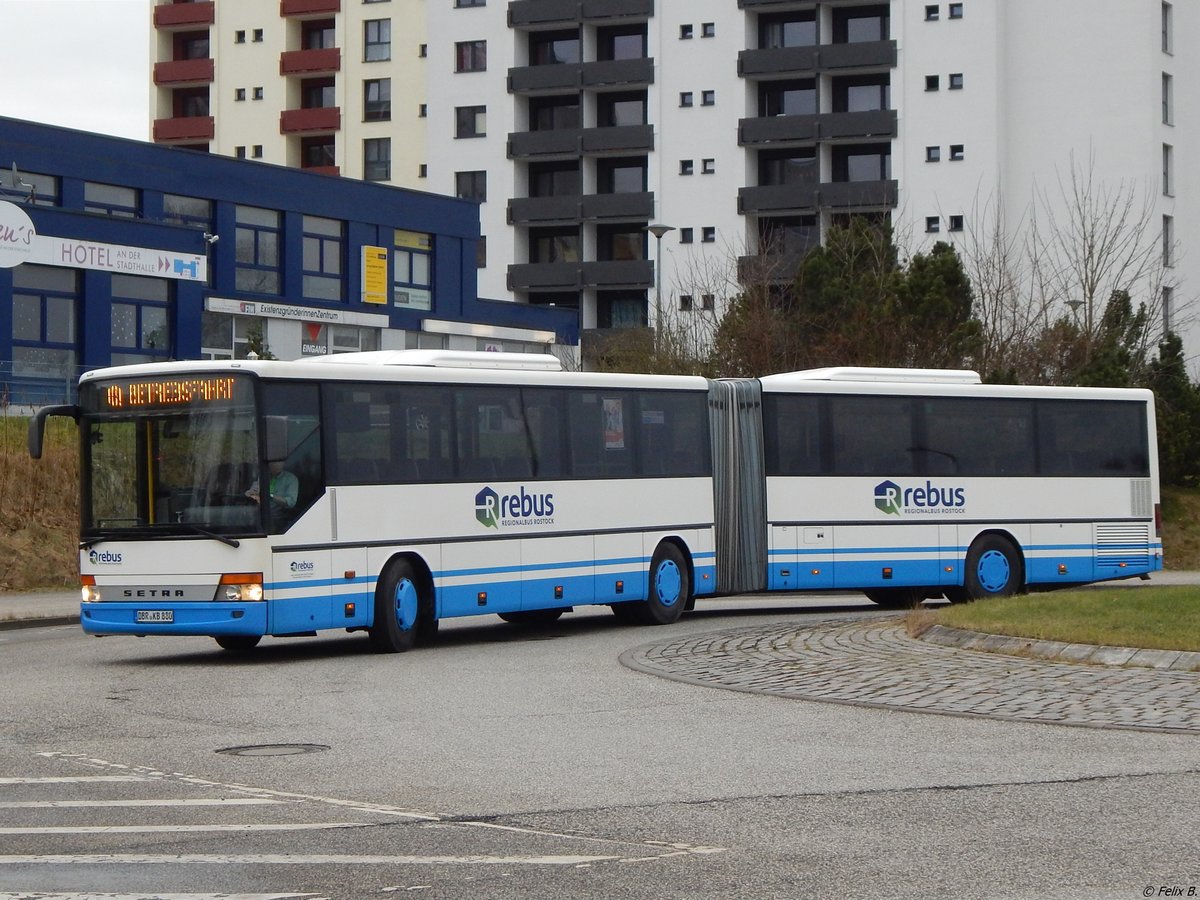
495	510
893	499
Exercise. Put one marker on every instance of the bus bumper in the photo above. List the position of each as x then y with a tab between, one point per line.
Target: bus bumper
205	619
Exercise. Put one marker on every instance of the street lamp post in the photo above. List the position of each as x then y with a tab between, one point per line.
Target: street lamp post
658	231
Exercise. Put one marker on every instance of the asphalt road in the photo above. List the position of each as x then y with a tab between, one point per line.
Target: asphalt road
509	762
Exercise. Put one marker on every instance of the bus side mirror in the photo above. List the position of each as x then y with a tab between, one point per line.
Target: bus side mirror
37	425
276	428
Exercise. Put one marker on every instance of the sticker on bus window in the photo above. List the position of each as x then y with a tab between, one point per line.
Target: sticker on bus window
614	424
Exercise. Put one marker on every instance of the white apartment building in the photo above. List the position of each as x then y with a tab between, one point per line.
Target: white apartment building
745	127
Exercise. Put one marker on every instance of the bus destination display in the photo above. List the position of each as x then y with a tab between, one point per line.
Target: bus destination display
168	392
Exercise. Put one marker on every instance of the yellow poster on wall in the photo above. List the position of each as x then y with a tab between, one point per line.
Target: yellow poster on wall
374	274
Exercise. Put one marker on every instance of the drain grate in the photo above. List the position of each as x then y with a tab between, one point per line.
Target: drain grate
273	749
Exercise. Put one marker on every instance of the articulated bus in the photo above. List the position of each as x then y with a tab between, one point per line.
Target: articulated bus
385	491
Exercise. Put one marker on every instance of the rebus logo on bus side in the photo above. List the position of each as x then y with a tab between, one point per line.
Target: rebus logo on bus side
104	558
893	499
494	510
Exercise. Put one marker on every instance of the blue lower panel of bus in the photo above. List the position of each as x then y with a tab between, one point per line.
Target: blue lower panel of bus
186	618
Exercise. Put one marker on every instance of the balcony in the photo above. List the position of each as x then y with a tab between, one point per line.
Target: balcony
300	121
843	195
184	16
308	62
573	276
183	72
544	79
618	139
561	143
774	268
777	198
545	210
540	13
600	207
618	72
777	61
878	123
184	128
322	170
309	7
865	55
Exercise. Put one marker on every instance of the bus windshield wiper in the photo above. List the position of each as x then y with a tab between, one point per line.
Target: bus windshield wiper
204	532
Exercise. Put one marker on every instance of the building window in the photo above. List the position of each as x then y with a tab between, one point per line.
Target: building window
956	10
239	36
552	48
957	152
1168	170
377	100
1168	29
686	235
1168	241
933	154
708	29
422	51
687	167
239	94
470	121
377	40
257	255
862	93
422	110
412	272
471	186
318	34
685	302
1168	99
956	223
470	56
708	166
553	245
621	109
110	200
685	99
239	152
377	159
793	29
932	82
563	179
44	333
932	225
423	170
463	4
258	93
685	32
257	36
316	152
256	151
191	212
708	301
931	13
317	93
623	175
787	98
323	254
620	242
708	234
622	42
140	319
956	81
708	98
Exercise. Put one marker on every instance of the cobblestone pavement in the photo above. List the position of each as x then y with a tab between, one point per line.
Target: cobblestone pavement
873	662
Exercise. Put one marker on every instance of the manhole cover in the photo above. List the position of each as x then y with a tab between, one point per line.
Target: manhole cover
273	749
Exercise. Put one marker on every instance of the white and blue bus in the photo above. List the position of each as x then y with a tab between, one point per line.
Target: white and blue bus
385	491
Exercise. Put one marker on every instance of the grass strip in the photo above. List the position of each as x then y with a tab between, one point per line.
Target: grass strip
1154	618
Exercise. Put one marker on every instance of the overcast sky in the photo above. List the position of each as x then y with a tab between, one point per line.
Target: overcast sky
80	63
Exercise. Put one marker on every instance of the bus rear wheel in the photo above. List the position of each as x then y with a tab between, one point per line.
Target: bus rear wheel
398	604
237	643
993	569
669	589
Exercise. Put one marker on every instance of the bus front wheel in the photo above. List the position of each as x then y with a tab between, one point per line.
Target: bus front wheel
237	643
669	589
397	610
993	569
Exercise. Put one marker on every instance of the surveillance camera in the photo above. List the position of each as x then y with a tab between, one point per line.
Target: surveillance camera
211	238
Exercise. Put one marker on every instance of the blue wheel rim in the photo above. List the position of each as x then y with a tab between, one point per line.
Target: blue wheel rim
993	571
668	583
405	603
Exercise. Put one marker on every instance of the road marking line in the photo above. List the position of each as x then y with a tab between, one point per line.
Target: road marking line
81	804
77	779
153	829
269	859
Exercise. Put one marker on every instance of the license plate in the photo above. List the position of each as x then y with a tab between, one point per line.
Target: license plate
156	615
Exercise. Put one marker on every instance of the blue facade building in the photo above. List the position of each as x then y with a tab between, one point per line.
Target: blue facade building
115	251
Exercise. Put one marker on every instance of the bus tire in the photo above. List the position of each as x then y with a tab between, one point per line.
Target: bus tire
238	643
533	616
398	604
669	587
896	598
993	569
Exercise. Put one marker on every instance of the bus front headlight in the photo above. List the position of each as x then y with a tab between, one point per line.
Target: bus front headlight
90	593
241	587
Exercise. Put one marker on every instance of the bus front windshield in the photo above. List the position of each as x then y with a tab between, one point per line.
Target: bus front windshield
170	456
